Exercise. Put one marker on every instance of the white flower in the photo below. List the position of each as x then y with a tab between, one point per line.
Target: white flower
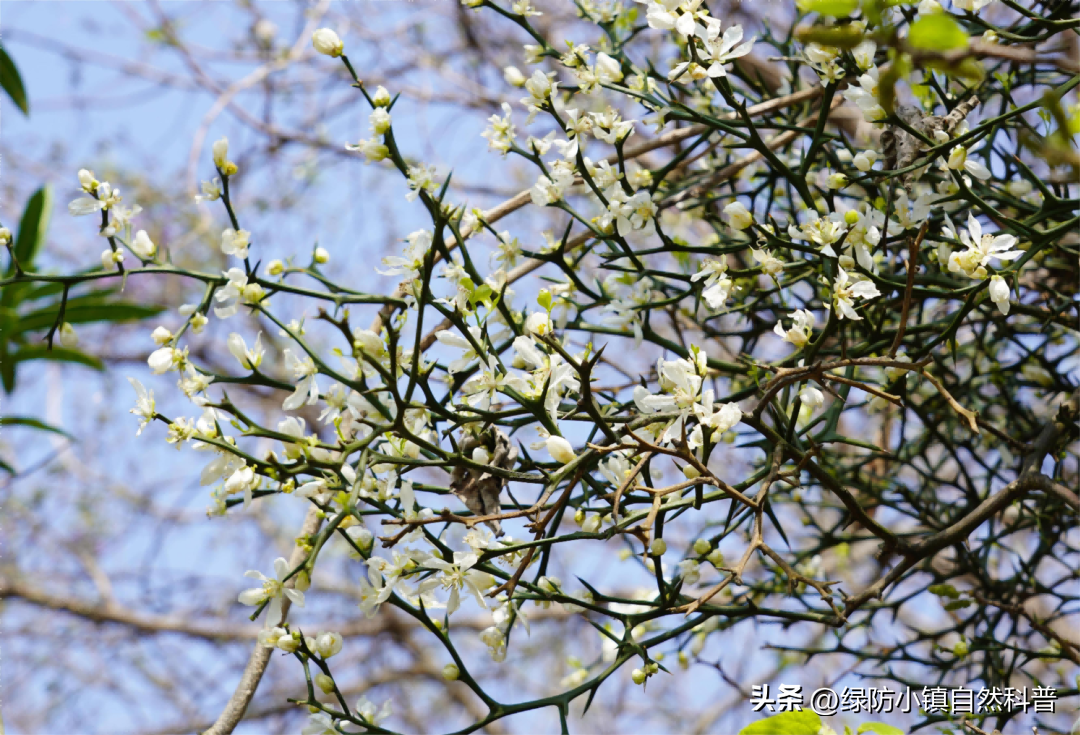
234	291
799	334
85	205
865	96
211	191
981	249
821	231
633	212
958	160
453	339
717	284
143	246
250	359
273	590
560	449
739	217
304	370
845	292
724	49
326	42
144	404
235	242
500	131
318	723
864	54
455	576
419	243
999	293
421	178
690	571
366	709
973	6
770	264
242	481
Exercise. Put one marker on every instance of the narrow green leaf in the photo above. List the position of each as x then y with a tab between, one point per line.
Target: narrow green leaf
33	225
12	83
57	354
880	728
937	32
842	37
804	722
835	8
121	311
33	423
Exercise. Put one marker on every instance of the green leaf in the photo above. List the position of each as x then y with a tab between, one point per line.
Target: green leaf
32	226
804	722
841	37
835	8
12	82
937	32
880	728
959	604
120	311
943	590
56	354
33	423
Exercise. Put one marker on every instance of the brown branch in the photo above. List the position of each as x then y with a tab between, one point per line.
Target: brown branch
912	266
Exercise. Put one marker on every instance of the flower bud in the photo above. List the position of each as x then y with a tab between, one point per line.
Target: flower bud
269	637
221	157
715	558
325	683
638	676
328	644
739	217
560	450
302	581
513	76
87	181
275	267
289	643
451	672
657	547
322	256
579	516
326	42
381	98
161	336
690	472
5	236
702	546
591	524
143	246
68	338
362	537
